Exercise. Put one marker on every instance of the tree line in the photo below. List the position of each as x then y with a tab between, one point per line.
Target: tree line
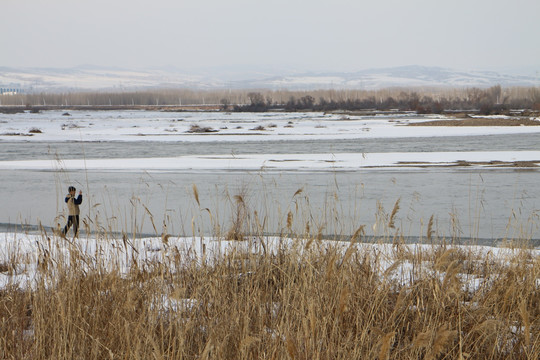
492	100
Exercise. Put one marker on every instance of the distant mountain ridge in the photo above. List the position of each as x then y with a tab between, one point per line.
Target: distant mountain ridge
108	78
405	76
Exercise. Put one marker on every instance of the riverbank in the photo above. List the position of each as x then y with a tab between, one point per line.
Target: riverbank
107	297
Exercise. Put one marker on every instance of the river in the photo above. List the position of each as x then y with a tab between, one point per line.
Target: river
465	204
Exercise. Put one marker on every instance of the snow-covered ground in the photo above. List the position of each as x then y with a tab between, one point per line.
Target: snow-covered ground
127	126
22	252
239	127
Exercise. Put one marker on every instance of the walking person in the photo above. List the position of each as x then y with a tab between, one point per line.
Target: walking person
73	211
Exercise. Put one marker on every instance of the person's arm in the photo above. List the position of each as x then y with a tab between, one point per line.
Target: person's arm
78	200
68	197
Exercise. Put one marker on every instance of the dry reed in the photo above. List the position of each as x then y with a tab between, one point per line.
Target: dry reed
311	299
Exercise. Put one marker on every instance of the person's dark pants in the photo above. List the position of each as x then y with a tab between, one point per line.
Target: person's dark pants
72	220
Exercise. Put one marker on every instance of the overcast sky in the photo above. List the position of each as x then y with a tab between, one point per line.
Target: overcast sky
306	35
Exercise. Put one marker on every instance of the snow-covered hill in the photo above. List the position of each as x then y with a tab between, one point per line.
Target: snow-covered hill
100	78
93	78
406	76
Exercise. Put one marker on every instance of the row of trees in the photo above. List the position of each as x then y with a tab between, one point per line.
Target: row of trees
490	100
486	101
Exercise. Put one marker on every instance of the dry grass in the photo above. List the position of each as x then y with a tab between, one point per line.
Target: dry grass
294	303
301	298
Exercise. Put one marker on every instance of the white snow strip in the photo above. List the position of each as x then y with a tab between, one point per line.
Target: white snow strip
325	162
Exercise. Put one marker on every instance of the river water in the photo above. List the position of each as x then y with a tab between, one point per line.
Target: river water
465	205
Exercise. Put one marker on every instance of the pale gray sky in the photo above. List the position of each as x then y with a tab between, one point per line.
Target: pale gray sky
329	35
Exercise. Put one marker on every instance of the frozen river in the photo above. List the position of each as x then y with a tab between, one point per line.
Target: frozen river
137	171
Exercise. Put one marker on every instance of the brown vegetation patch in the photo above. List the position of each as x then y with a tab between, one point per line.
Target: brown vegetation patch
4	268
284	160
526	163
15	134
11	110
198	129
479	122
463	163
414	163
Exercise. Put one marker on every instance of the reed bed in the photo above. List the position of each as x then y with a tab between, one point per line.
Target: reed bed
240	294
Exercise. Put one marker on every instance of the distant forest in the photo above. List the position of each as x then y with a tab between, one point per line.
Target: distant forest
492	100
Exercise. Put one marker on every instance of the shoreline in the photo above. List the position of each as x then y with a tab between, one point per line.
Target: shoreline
47	232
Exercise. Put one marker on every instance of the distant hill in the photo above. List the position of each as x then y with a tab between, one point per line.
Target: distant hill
102	78
405	76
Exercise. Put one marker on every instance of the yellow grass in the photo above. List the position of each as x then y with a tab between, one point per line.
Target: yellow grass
310	299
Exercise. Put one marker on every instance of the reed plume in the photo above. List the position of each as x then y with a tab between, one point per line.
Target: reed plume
393	214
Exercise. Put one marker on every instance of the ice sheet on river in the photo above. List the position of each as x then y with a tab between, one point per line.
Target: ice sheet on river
291	162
